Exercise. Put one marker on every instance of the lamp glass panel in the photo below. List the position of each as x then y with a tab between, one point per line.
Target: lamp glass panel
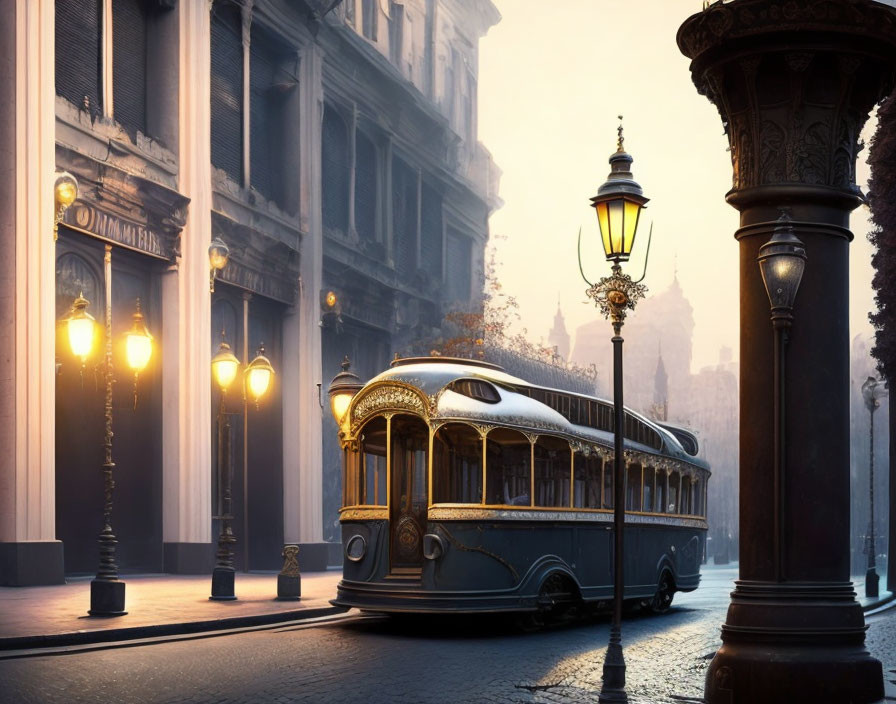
139	351
339	404
632	213
80	335
781	274
603	220
617	226
225	371
259	380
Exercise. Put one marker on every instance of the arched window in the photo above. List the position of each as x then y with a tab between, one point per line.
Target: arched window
552	468
371	475
457	465
586	492
674	491
334	171
508	468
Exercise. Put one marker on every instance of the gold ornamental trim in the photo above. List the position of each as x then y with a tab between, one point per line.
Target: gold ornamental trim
364	513
388	396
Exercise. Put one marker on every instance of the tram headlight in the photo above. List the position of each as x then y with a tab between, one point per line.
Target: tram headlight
342	390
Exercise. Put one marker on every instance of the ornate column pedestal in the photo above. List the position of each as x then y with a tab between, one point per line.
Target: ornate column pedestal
794	83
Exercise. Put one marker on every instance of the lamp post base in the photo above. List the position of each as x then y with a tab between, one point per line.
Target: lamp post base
222	584
106	597
872	582
613	688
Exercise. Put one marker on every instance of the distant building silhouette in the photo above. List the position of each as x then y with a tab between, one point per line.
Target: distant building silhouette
559	337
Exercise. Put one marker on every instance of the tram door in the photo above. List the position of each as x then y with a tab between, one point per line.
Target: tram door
409	494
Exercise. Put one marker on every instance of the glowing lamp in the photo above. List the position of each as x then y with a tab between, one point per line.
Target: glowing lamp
81	328
225	366
619	202
138	343
342	390
782	261
259	374
218	255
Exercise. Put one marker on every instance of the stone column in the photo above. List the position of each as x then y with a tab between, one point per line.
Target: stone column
186	377
794	83
29	552
302	451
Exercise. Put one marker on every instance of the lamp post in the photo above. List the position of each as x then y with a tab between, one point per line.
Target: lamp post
618	203
872	391
107	591
782	261
257	380
341	391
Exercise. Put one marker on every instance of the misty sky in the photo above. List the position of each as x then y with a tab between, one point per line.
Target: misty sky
552	79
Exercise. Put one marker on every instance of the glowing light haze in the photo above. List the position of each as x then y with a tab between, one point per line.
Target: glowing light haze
553	77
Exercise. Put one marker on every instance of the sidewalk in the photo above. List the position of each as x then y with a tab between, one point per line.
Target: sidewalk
157	605
166	605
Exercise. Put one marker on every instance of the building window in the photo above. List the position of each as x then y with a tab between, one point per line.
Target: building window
431	232
334	172
78	53
404	217
365	188
129	65
269	87
458	262
457	465
369	18
227	90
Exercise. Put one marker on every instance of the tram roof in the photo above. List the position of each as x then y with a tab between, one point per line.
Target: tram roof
433	374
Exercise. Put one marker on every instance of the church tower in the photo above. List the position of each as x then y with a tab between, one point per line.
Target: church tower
558	337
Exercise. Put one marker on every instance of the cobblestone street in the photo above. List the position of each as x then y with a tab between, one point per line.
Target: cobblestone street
421	660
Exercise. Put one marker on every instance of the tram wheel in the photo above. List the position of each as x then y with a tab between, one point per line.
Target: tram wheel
665	591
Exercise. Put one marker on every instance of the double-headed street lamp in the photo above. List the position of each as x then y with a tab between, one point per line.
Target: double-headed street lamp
872	392
618	203
107	591
782	261
256	382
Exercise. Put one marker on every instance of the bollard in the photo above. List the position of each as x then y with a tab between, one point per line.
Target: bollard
289	581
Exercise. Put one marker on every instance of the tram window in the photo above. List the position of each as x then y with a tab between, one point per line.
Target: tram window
647	491
608	495
674	485
371	482
457	465
586	493
685	495
661	494
508	468
552	468
633	488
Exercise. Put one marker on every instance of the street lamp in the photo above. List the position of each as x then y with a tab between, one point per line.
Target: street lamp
107	592
618	203
138	347
218	255
872	392
341	392
65	192
782	261
256	381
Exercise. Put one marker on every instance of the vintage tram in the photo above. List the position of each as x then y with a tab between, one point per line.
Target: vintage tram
466	489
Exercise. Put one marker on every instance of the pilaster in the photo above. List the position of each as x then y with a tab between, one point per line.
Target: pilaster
187	303
27	470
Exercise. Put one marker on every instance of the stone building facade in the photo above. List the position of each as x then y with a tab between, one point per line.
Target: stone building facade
332	146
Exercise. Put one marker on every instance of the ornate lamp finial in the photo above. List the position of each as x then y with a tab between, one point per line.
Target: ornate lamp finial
620	140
